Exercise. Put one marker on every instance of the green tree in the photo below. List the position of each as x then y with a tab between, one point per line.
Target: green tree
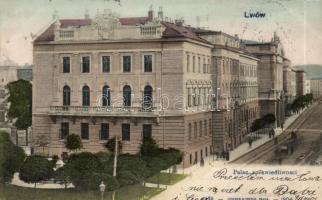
81	167
35	169
20	98
73	142
11	158
110	145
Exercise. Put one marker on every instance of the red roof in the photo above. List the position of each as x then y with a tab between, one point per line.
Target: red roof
175	31
134	20
172	30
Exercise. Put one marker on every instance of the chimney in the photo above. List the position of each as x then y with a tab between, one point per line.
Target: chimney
150	14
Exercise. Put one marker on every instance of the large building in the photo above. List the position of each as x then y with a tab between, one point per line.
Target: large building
126	77
234	75
270	76
289	85
301	83
188	88
316	88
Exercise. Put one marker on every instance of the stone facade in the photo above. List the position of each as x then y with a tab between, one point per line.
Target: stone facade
235	85
316	88
300	82
270	77
178	74
289	85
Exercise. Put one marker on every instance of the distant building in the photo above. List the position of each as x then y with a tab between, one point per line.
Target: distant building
234	75
301	83
316	88
289	85
270	76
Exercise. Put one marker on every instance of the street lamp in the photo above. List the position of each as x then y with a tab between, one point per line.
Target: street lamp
102	189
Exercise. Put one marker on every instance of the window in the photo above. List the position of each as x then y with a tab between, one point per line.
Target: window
86	96
205	125
204	66
126	63
200	129
147	97
105	130
189	131
64	131
147	63
194	64
106	96
66	64
189	97
85	131
195	130
126	132
199	65
194	97
210	131
106	64
127	95
85	64
147	131
188	63
66	96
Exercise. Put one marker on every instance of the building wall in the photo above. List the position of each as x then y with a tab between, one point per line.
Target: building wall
169	79
316	88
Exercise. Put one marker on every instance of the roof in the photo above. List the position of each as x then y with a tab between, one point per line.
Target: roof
174	31
48	34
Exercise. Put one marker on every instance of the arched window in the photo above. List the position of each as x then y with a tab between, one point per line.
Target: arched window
127	95
106	96
147	97
86	96
66	96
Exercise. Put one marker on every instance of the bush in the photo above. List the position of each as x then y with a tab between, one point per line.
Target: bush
269	118
81	167
110	145
127	178
36	169
11	157
135	165
96	179
149	147
73	142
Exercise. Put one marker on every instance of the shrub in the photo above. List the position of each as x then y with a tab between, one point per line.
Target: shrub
269	118
11	157
127	178
149	147
73	142
35	169
110	145
110	182
81	167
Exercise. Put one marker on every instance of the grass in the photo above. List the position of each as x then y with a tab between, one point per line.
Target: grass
166	178
134	192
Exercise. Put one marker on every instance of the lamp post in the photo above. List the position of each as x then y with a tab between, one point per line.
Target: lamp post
102	189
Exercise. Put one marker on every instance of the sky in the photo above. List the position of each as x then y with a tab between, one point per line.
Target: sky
298	23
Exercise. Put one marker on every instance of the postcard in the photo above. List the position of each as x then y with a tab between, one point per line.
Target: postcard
161	100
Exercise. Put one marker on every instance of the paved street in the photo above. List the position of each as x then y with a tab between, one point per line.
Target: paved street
309	148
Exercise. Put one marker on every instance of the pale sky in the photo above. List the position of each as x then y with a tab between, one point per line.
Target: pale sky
297	22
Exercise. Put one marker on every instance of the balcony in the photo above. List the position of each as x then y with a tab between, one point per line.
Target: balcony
103	111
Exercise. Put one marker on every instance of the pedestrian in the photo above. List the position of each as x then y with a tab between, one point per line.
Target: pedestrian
202	162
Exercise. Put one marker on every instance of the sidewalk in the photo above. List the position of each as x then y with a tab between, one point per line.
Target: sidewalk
241	149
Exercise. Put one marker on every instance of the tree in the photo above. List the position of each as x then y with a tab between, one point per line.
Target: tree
82	167
110	145
73	142
11	157
269	119
20	98
35	169
149	147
